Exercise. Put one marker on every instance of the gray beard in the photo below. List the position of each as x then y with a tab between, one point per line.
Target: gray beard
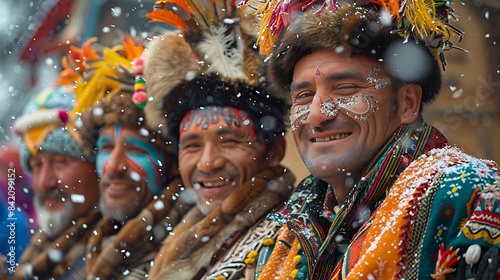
121	215
54	223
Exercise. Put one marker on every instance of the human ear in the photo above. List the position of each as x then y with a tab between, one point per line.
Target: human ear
409	98
276	152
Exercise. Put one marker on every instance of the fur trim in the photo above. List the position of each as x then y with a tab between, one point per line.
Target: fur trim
196	241
222	48
168	62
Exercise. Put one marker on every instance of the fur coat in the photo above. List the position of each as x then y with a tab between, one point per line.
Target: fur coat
205	247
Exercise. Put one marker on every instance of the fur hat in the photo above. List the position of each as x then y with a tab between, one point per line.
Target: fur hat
392	31
211	60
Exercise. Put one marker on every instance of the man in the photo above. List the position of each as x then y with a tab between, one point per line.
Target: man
139	181
65	187
228	128
387	198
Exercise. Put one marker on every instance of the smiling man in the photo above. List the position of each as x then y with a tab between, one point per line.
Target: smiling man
65	187
387	197
228	130
141	198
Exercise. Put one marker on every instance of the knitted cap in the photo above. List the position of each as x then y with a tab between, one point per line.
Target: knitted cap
46	125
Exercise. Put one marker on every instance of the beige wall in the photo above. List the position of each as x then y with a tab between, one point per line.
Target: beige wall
467	110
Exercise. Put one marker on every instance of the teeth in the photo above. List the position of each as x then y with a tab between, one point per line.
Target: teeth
332	137
117	187
214	184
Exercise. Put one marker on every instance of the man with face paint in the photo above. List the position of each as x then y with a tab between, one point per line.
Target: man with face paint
65	187
140	188
387	197
228	130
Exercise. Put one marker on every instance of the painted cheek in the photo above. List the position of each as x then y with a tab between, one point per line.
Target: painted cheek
149	166
102	160
358	109
298	115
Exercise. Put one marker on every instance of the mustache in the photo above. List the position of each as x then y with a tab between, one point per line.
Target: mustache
120	177
52	194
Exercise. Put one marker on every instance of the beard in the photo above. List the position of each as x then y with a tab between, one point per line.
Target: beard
128	211
53	223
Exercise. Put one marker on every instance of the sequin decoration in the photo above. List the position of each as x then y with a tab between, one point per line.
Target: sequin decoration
379	83
330	108
299	115
350	107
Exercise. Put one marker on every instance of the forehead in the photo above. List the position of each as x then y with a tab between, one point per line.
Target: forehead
332	61
49	155
211	118
117	131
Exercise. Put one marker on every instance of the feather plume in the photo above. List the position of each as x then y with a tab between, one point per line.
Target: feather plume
214	31
426	20
107	75
218	47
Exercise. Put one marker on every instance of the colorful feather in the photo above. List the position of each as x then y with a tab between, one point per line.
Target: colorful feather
109	74
219	35
426	20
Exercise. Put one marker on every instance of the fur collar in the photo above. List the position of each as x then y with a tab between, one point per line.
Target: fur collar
195	244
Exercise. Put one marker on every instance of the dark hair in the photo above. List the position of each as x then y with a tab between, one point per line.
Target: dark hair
267	111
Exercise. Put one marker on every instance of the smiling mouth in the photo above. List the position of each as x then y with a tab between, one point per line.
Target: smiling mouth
331	137
118	187
212	184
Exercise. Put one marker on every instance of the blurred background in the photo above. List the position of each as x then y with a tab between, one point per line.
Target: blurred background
36	34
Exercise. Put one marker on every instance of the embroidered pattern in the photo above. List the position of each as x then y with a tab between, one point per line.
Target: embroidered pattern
233	262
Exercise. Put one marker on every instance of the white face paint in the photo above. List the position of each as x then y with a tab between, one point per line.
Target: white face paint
331	108
348	105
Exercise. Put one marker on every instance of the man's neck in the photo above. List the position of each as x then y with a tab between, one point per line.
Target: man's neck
341	192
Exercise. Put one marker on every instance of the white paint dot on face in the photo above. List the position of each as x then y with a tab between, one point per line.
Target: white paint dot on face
196	186
77	198
135	176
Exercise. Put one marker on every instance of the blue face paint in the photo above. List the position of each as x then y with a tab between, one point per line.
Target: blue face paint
148	163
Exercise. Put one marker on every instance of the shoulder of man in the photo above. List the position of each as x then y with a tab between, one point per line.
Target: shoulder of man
456	206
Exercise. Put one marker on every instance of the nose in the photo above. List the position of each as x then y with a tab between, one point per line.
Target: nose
46	178
322	109
117	162
211	159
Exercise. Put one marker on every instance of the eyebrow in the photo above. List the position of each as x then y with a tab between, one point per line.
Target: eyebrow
103	139
346	75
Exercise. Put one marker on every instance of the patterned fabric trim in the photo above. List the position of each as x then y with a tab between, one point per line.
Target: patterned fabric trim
485	220
423	212
233	263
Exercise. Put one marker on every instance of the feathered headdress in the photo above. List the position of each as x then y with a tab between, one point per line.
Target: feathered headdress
421	20
214	48
109	89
